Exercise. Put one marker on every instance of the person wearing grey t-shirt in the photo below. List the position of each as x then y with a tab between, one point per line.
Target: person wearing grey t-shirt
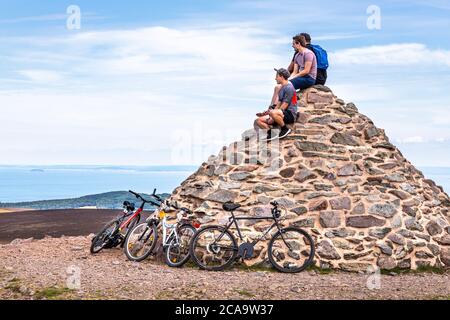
285	112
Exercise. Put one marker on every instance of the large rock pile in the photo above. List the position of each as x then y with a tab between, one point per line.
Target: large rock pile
339	178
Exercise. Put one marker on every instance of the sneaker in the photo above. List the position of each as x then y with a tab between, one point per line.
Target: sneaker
272	135
285	132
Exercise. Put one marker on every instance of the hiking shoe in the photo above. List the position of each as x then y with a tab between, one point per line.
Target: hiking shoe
272	135
285	132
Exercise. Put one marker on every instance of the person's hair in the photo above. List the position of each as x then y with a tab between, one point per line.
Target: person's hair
307	37
300	39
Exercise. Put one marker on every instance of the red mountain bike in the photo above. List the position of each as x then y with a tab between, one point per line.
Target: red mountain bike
116	231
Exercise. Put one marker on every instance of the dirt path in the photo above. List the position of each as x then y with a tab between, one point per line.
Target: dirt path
39	270
55	223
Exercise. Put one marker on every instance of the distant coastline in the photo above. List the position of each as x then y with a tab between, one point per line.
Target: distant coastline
108	200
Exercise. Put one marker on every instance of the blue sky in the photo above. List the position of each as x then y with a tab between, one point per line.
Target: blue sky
150	82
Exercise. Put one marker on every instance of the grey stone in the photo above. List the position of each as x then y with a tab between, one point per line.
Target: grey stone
344	139
359	209
300	210
305	175
287	173
385	249
330	219
379	233
343	203
319	205
434	228
305	223
396	178
386	263
222	196
370	132
240	176
397	239
326	250
407	234
341	233
349	170
311	146
364	222
413	224
386	210
262	188
445	257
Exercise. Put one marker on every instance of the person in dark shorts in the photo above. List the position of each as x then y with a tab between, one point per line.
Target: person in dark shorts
285	112
305	68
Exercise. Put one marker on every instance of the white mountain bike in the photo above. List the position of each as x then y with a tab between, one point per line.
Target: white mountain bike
176	237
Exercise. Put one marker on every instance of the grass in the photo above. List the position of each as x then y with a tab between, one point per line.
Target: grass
245	293
443	298
420	270
53	293
13	285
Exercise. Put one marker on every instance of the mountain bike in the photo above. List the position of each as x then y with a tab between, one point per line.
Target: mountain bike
112	235
176	237
215	248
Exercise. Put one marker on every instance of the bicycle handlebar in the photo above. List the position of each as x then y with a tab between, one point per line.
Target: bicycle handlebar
137	195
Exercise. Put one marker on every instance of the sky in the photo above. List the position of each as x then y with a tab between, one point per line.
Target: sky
170	83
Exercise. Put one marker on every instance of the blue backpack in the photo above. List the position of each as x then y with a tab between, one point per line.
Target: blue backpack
321	55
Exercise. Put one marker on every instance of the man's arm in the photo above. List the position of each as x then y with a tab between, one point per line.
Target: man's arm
304	72
295	73
291	67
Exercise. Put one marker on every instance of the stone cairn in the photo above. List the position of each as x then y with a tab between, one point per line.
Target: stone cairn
339	178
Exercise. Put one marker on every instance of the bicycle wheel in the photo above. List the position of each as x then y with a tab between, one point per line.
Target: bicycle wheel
141	242
213	248
177	252
102	239
291	250
130	227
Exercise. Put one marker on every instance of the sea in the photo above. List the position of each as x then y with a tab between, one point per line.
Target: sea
33	183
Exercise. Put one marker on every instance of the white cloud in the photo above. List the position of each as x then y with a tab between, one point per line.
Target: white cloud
402	54
414	139
45	76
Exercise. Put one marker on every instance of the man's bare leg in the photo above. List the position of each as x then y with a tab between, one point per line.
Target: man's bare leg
262	123
278	117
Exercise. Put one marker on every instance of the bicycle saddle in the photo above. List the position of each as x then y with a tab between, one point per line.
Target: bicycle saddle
230	206
129	205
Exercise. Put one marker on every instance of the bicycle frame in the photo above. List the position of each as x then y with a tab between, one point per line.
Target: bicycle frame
127	222
234	220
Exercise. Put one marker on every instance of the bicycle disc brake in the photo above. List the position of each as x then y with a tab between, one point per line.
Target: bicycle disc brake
246	250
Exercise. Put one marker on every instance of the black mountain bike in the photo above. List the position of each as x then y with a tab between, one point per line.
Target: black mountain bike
113	233
214	248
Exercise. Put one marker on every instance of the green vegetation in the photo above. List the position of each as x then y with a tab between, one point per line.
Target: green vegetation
109	200
424	269
13	285
244	293
53	293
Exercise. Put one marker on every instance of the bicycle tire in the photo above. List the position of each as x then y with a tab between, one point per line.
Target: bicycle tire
167	254
153	236
194	243
307	262
97	247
